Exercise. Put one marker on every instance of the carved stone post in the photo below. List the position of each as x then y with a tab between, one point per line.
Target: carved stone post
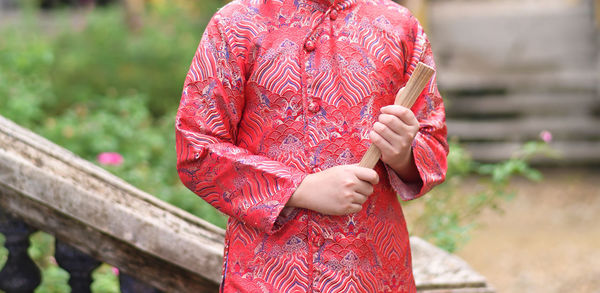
20	274
79	265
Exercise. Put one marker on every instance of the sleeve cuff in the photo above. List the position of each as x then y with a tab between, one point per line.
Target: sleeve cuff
409	190
280	213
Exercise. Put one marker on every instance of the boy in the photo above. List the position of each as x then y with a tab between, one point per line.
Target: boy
280	102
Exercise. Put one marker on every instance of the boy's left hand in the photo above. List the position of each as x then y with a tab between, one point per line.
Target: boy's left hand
393	134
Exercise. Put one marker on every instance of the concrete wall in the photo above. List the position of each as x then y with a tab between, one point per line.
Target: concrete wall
510	69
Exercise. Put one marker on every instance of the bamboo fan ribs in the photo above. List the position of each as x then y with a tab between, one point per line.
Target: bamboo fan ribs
406	97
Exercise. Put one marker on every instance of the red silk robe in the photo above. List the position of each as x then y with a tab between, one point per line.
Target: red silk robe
279	89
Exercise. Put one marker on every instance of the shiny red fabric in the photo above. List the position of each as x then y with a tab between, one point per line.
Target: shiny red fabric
281	89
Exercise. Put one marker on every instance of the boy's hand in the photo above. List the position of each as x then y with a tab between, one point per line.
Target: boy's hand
393	134
337	191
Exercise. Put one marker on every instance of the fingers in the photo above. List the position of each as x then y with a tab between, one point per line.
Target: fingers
396	121
351	209
364	188
403	113
394	131
390	125
383	144
392	136
366	174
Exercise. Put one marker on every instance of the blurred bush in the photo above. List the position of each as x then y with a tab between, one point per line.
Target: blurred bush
101	88
448	214
97	87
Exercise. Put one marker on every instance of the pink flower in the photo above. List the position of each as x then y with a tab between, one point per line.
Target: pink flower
115	271
546	136
52	260
110	158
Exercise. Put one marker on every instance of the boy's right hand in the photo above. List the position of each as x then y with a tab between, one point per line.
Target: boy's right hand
337	191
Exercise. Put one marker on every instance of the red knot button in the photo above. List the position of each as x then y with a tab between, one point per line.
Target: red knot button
313	107
333	15
316	286
309	46
318	241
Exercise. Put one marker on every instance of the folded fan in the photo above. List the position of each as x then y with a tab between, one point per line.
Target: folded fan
406	97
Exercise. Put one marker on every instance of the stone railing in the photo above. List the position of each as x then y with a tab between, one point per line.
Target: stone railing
92	210
97	217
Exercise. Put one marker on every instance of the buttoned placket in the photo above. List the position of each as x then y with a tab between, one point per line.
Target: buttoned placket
312	107
332	13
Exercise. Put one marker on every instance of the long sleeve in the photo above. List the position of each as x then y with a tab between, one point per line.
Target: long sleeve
430	147
254	189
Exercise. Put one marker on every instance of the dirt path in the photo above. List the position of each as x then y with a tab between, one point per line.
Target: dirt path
547	241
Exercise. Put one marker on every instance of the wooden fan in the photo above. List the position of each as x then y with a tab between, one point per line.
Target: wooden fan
406	97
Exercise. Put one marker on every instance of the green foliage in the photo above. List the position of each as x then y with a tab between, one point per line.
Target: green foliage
446	215
100	88
24	61
97	87
105	59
